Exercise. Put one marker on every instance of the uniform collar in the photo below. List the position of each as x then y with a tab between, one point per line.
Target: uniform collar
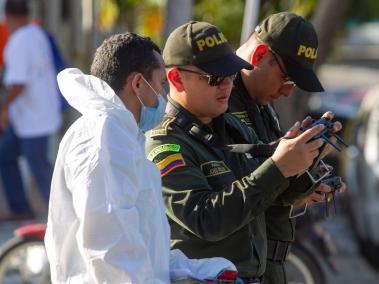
172	103
241	91
216	127
215	121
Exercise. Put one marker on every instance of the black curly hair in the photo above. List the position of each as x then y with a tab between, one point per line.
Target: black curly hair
17	7
122	54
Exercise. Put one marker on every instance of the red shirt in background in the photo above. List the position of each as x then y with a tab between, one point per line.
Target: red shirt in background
3	40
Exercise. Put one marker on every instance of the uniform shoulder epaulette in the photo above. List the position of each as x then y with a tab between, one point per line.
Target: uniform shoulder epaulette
242	126
162	129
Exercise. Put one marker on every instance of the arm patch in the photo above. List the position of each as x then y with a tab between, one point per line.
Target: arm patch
163	148
171	162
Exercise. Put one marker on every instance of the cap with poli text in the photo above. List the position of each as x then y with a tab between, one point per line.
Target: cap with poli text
204	46
294	39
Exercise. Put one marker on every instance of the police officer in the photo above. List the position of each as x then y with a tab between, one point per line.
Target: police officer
215	198
282	50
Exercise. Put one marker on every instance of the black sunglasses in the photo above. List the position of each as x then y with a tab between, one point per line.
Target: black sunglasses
211	79
286	78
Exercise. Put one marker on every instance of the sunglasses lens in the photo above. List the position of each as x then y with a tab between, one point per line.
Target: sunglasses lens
219	80
215	80
212	80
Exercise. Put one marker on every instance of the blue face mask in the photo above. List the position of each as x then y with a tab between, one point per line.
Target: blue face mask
151	116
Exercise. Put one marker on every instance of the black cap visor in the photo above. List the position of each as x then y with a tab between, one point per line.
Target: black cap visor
225	66
305	79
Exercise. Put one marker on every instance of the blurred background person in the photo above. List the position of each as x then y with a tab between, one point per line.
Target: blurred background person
30	113
3	39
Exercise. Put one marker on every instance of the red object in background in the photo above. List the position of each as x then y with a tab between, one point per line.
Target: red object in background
4	34
228	275
3	40
31	231
225	276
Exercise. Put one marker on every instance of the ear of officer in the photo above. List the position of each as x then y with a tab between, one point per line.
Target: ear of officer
294	40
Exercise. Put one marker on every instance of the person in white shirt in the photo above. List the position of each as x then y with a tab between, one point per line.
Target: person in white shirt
106	221
31	112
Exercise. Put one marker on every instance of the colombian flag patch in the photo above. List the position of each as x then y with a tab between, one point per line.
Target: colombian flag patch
170	162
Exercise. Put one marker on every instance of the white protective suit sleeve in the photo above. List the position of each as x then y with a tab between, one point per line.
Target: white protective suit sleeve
105	191
371	147
205	268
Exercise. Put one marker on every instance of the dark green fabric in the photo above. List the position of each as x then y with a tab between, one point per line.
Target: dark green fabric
195	43
290	35
204	46
215	202
264	121
275	273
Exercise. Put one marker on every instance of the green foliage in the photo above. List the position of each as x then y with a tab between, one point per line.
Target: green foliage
124	5
150	22
226	14
364	10
300	7
303	8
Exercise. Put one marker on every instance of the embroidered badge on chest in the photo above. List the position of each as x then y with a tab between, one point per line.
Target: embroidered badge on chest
214	168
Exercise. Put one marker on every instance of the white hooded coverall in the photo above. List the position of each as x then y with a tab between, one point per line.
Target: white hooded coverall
106	220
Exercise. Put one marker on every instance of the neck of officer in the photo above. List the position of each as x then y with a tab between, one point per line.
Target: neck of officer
188	104
249	83
245	51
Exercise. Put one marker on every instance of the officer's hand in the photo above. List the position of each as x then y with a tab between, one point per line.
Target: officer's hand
337	126
314	197
295	153
294	131
342	188
319	194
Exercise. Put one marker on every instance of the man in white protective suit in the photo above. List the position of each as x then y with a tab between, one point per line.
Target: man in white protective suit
106	220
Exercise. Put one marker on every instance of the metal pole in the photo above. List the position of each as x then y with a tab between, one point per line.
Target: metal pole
178	12
88	27
250	18
53	21
76	33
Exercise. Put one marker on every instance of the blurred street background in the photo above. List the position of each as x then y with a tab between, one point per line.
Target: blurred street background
348	66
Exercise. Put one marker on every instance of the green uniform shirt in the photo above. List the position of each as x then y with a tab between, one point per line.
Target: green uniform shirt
264	121
214	198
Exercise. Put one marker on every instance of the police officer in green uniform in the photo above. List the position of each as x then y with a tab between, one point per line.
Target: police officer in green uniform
282	50
215	198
